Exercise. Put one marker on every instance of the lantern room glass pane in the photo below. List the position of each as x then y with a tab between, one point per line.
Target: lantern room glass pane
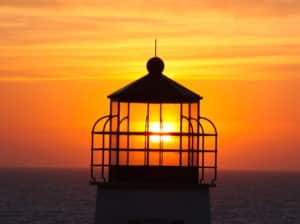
123	114
114	107
137	116
193	115
154	114
171	124
171	116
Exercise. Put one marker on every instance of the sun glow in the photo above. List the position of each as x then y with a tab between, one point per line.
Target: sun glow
157	127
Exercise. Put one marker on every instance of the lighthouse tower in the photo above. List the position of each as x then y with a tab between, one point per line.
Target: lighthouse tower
153	157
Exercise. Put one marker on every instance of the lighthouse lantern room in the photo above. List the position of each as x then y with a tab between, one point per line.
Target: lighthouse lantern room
154	156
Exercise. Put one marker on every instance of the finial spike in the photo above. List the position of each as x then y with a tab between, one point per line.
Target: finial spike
155	47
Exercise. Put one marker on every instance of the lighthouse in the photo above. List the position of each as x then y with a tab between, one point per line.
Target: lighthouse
154	156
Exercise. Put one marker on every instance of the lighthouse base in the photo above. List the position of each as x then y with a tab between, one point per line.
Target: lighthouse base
152	205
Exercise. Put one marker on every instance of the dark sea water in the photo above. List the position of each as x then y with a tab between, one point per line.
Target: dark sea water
64	196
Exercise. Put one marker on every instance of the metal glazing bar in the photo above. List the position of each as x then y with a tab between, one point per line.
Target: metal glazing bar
145	141
100	119
198	114
150	150
110	129
123	119
103	146
189	134
118	135
107	117
211	123
92	159
189	138
107	165
202	148
128	129
216	146
155	133
160	136
180	138
147	138
216	157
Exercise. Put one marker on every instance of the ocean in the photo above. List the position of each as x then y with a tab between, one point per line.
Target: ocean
45	196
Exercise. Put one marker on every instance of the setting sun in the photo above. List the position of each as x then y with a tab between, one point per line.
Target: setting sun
158	127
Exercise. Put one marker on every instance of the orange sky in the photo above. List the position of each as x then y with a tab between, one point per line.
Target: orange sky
60	59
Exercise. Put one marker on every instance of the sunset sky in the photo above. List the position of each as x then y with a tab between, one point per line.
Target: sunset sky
59	59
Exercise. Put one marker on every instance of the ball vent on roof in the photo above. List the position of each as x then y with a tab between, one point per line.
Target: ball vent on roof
155	66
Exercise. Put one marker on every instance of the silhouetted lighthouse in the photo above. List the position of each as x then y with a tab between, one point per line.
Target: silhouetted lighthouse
154	157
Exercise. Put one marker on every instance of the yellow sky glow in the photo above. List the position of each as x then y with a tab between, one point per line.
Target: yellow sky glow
60	59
